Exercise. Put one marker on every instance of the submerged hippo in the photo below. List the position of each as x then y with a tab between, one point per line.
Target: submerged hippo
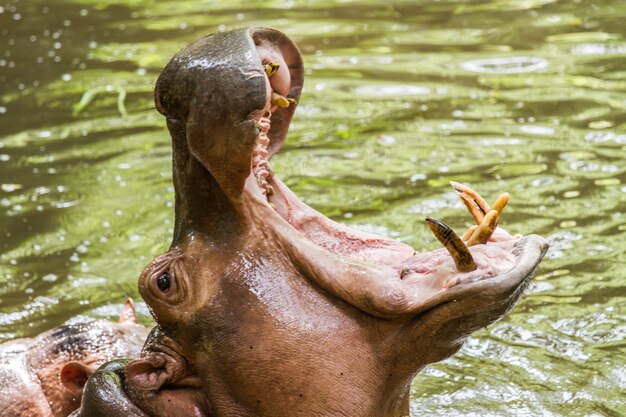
44	376
265	307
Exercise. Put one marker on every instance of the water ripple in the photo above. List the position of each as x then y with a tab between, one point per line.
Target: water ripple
509	65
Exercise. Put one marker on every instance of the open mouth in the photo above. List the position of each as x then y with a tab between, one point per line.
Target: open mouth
476	255
482	253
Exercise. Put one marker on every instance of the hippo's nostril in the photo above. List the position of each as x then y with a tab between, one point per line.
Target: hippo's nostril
164	281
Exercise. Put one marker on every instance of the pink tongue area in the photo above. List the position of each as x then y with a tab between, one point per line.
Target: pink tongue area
437	266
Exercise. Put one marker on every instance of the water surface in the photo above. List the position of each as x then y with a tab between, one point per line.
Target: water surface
400	97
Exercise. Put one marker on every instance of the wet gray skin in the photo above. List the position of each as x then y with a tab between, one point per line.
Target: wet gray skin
44	376
264	307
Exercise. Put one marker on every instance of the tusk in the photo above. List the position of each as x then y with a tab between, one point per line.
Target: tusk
500	204
468	232
461	255
477	213
476	205
271	68
484	231
279	100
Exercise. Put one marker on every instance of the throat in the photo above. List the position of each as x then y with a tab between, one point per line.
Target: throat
201	206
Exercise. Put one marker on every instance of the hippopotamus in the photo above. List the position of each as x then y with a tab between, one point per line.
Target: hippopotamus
44	376
264	306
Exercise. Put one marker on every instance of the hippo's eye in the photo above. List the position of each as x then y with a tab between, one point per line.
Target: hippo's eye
164	281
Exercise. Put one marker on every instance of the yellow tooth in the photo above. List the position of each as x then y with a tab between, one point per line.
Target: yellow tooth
485	229
279	100
270	190
461	255
476	212
469	232
271	68
476	205
501	203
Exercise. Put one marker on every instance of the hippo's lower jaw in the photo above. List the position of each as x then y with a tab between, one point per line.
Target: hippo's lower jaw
374	273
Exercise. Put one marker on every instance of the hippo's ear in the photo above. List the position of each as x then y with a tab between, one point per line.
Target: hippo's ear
74	376
129	315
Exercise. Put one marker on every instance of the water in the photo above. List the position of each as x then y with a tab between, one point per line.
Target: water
400	97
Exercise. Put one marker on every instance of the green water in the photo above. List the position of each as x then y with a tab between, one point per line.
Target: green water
524	96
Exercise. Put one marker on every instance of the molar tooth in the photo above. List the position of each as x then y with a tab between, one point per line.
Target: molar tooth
270	190
461	255
484	231
271	68
279	100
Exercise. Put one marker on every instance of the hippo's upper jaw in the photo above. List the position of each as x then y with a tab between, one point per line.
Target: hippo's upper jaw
266	307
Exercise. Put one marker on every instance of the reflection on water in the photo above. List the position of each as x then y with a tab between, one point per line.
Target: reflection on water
510	65
520	96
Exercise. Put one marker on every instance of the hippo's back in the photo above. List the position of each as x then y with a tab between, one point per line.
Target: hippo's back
20	390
